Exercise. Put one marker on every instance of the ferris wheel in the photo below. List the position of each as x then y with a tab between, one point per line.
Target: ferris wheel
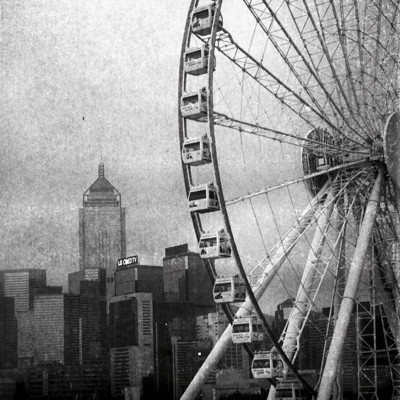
289	127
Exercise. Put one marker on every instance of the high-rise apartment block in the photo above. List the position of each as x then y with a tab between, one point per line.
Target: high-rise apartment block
102	238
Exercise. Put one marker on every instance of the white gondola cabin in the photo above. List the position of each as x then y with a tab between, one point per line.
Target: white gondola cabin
215	245
196	151
203	198
194	105
202	20
267	364
247	330
196	60
229	289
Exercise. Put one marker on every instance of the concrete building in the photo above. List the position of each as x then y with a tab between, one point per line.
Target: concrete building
8	333
140	279
102	237
18	289
183	270
90	285
55	329
132	343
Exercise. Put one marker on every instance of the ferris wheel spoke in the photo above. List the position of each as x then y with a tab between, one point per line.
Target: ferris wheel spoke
260	17
310	112
348	166
342	32
267	266
330	54
269	133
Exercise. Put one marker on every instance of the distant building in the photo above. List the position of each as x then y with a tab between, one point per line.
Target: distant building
8	334
132	343
191	348
23	284
140	279
18	289
90	285
102	237
183	270
56	329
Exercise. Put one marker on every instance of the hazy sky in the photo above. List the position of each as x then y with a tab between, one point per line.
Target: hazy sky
80	79
85	79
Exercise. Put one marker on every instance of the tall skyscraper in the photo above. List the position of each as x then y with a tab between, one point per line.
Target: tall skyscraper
102	238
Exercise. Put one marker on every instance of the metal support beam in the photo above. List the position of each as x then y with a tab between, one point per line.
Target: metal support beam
261	285
346	308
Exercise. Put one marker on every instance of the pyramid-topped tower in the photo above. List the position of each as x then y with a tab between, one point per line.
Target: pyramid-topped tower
102	237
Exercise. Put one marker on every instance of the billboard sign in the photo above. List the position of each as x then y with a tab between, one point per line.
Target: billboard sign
128	261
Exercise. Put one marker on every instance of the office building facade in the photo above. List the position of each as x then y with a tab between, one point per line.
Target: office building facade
102	233
132	343
183	270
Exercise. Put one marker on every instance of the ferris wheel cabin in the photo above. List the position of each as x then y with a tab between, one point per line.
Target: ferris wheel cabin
215	245
196	151
196	60
267	364
229	289
203	198
194	105
247	330
202	20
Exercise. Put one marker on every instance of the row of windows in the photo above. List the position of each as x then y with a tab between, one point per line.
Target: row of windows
110	280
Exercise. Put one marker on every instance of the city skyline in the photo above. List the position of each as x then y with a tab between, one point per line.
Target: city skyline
100	84
77	93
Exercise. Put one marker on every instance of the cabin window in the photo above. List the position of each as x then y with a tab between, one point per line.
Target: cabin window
191	100
222	287
224	244
193	56
240	328
200	15
197	195
191	147
211	242
213	195
261	364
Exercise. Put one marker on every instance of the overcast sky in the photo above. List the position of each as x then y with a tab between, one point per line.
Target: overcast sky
81	80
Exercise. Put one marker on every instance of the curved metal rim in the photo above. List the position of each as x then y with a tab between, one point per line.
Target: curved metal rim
187	177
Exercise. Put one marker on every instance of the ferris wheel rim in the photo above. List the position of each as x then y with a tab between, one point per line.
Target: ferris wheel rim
210	121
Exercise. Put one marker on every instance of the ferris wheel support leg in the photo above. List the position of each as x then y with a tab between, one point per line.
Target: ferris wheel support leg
339	334
262	284
297	315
